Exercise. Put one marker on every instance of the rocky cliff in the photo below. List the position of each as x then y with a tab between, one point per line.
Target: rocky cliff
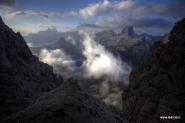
22	76
66	104
31	93
157	88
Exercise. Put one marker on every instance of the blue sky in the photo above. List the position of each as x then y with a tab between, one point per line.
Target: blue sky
65	5
30	16
53	5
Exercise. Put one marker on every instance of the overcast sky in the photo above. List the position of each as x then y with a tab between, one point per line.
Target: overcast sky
152	16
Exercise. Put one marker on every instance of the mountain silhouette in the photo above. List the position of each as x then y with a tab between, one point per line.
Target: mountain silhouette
31	93
157	86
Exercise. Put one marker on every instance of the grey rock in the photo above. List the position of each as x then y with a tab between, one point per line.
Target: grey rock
66	104
31	93
22	76
157	87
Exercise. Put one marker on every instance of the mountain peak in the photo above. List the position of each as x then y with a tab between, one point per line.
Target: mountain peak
1	21
128	30
106	33
30	91
22	75
177	34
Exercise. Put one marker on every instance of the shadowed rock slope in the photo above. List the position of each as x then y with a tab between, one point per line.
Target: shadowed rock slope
31	93
22	76
66	104
157	88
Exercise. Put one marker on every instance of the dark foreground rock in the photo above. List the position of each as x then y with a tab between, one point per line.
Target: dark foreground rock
66	104
157	88
31	93
22	76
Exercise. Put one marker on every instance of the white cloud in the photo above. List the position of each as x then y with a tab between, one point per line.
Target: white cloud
58	59
33	13
100	62
32	22
94	9
104	7
71	40
30	45
134	9
126	4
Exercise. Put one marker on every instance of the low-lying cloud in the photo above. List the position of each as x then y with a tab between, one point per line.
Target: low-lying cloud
58	59
71	40
30	45
100	62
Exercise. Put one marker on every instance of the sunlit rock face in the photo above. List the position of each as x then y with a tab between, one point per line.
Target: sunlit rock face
157	87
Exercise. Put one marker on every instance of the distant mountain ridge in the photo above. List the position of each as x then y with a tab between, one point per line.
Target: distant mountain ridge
127	44
128	31
46	37
31	93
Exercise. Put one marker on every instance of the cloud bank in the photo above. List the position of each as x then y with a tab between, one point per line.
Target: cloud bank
58	59
105	14
94	9
103	7
173	9
44	15
152	18
100	62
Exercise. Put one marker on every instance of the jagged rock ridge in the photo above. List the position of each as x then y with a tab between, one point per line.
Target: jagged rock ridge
22	76
130	46
157	87
66	104
128	31
31	93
